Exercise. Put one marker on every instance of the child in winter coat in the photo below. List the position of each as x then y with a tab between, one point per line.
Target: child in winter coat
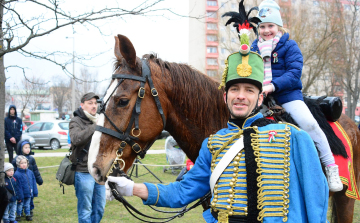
24	148
26	181
12	187
283	64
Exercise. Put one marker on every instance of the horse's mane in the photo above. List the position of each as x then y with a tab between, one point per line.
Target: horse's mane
188	84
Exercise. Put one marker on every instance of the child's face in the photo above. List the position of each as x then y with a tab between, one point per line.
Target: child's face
26	149
268	30
10	172
23	164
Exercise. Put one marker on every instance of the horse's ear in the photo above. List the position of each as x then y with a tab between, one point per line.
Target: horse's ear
125	49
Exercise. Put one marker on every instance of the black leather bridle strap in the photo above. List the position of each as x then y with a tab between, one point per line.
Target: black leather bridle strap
128	76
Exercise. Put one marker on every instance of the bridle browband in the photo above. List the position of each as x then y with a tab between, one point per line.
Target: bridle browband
130	136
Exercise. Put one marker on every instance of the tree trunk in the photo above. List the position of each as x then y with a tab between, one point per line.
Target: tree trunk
2	99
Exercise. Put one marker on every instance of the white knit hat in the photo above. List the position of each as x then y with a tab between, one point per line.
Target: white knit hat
269	11
19	158
8	166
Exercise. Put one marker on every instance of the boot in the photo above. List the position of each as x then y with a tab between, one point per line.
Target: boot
31	213
333	178
18	217
28	218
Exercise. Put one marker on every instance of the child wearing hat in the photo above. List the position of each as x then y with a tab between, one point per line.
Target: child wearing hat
13	189
283	64
24	148
27	183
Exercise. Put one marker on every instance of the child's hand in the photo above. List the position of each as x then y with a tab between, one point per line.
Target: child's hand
268	89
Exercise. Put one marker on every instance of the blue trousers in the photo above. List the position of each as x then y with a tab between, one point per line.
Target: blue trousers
10	211
24	204
91	198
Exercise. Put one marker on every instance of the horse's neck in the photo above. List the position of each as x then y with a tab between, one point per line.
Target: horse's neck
190	121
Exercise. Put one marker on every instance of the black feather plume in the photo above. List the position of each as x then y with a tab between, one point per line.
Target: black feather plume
241	17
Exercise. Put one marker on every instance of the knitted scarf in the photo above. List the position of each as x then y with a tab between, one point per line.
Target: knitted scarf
92	118
266	47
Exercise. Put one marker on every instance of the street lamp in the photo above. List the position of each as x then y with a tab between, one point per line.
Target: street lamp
73	79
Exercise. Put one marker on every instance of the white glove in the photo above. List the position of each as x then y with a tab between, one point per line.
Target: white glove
123	185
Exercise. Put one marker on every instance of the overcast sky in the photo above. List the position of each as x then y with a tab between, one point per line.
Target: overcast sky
166	37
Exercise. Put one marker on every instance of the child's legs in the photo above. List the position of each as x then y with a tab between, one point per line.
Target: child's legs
27	206
20	207
12	210
32	203
302	115
6	216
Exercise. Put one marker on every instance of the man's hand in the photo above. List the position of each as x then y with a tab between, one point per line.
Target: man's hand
13	140
123	185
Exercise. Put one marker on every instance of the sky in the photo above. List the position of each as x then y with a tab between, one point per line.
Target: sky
165	35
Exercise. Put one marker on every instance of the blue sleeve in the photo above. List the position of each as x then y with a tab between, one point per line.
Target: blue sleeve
293	66
7	132
36	171
19	130
195	184
69	140
311	177
35	190
17	191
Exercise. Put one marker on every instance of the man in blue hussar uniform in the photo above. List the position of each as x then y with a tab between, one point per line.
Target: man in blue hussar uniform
256	169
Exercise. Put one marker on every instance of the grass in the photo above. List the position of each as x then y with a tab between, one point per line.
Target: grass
53	206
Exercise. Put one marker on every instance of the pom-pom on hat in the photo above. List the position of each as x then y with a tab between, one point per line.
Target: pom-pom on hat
269	11
19	158
8	166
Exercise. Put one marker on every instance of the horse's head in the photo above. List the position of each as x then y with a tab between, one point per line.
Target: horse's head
132	116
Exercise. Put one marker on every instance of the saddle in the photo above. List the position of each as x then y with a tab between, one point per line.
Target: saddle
324	109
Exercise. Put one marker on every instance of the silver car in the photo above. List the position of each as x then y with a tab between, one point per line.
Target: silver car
51	133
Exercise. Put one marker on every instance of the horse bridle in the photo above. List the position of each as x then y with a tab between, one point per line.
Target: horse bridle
129	137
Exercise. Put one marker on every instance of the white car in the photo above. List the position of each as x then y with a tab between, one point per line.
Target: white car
52	134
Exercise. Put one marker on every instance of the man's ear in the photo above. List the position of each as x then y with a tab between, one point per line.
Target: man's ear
261	98
225	97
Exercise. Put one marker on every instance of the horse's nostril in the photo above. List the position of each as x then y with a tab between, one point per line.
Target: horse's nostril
97	173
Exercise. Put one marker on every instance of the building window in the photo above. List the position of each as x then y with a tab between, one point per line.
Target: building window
223	50
347	7
211	38
223	62
211	3
233	40
315	3
211	73
212	26
211	49
212	61
211	15
233	5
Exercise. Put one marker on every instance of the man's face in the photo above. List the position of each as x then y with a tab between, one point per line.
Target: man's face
90	106
12	111
242	99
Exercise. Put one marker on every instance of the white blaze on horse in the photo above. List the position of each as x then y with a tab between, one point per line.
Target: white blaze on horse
179	99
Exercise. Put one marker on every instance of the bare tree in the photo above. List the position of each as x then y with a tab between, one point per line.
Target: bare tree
17	31
87	82
346	52
61	93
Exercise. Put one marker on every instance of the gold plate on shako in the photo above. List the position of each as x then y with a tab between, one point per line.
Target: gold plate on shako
244	69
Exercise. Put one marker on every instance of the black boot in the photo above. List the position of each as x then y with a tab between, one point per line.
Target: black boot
28	218
18	217
31	213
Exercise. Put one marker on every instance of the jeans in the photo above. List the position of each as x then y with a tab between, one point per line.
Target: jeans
24	204
91	198
11	147
10	211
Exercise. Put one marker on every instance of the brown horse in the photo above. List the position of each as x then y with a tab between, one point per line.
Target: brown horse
193	108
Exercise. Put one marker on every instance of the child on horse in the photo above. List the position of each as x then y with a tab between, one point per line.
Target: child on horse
283	64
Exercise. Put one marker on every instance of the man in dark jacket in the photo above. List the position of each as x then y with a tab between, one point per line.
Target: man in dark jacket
90	195
13	131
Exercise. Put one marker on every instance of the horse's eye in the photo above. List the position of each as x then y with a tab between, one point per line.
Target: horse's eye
123	102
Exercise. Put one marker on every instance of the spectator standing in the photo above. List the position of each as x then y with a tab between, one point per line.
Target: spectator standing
13	131
27	184
90	195
24	148
12	187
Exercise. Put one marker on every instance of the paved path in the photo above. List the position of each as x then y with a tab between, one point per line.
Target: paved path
39	154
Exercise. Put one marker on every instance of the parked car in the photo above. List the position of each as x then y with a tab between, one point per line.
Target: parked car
28	138
51	133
